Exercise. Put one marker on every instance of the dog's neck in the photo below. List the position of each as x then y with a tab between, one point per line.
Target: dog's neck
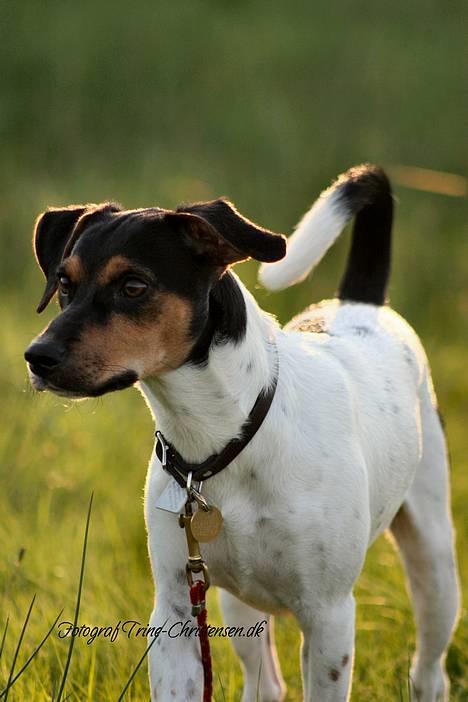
200	407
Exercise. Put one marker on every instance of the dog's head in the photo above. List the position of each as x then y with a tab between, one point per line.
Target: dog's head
133	288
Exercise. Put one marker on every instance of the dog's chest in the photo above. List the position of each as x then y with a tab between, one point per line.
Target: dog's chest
277	544
256	554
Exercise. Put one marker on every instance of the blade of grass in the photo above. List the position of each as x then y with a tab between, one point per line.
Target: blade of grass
222	687
2	645
31	657
92	671
137	668
78	602
18	646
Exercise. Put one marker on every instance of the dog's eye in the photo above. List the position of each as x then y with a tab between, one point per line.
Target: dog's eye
64	285
134	287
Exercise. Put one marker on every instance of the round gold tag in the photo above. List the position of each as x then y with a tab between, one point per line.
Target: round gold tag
205	526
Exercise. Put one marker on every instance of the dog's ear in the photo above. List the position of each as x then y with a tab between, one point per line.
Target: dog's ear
55	233
51	234
223	236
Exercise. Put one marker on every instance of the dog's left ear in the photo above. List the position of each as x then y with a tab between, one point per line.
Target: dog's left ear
221	234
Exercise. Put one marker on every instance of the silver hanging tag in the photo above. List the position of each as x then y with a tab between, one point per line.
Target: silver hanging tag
172	498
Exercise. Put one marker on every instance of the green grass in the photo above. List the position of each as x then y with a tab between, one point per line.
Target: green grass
157	103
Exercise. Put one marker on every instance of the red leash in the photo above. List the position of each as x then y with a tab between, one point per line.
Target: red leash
197	598
198	589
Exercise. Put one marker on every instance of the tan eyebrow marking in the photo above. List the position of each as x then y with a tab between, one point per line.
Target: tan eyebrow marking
73	269
113	267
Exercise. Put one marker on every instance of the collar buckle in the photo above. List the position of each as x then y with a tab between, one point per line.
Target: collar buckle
164	449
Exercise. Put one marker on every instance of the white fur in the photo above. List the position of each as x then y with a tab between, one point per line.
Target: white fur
351	446
312	238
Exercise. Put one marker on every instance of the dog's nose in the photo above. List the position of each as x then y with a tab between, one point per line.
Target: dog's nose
44	356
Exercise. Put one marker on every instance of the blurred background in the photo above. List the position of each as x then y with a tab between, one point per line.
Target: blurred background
158	103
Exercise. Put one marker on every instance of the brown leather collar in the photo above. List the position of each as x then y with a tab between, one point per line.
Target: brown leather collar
175	465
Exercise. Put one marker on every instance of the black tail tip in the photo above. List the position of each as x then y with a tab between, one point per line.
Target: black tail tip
363	185
366	192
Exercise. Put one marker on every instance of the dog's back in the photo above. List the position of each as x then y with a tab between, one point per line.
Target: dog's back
385	378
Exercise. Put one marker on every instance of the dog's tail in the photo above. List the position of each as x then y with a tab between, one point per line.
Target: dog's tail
365	192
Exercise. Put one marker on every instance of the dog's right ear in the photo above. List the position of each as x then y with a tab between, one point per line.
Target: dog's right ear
51	235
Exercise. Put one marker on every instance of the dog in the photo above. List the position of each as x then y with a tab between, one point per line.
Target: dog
351	443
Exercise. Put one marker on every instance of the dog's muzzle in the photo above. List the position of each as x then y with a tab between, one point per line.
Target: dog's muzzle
50	369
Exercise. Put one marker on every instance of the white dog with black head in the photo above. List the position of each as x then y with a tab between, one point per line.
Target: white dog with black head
347	441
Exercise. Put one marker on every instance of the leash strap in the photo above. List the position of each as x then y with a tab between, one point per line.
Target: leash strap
197	590
197	598
175	465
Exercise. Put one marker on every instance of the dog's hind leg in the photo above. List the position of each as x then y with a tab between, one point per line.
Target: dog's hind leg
424	533
262	675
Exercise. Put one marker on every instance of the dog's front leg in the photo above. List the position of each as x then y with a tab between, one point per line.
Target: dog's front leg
327	651
174	660
175	669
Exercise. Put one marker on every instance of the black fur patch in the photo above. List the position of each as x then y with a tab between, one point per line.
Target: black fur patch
366	193
224	320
